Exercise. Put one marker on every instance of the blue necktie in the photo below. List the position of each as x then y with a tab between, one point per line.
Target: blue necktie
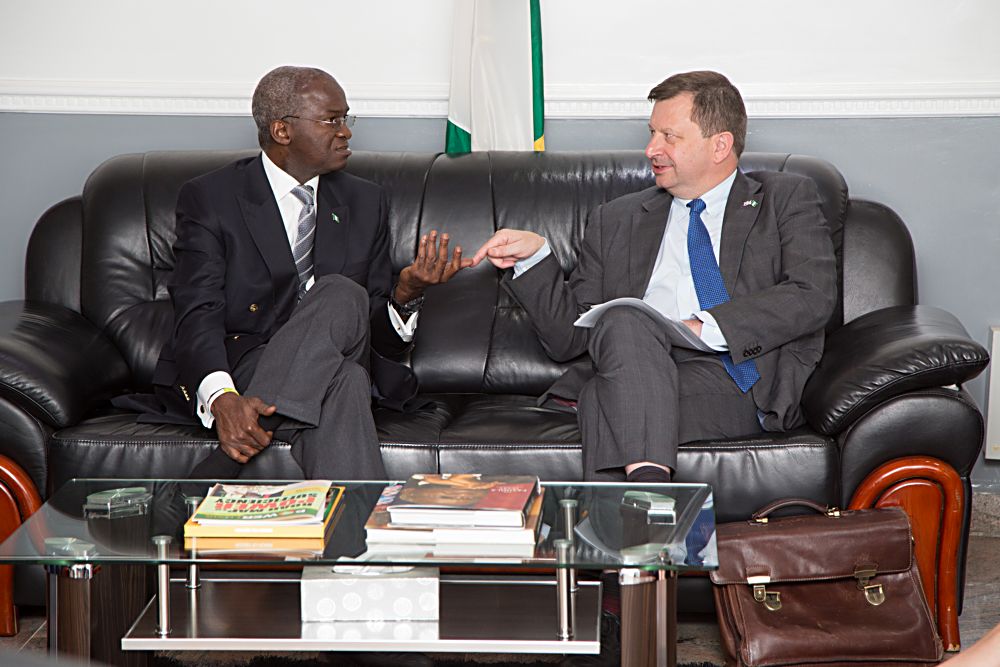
711	290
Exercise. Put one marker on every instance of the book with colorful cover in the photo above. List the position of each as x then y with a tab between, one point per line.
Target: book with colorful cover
463	500
298	510
381	530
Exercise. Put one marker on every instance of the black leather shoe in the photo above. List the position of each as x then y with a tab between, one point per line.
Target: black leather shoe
384	659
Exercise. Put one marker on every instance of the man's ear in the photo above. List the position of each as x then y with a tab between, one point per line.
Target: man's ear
279	132
722	146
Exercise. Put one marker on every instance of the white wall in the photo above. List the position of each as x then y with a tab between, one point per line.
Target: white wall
789	57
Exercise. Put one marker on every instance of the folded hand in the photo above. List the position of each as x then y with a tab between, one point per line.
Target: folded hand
236	422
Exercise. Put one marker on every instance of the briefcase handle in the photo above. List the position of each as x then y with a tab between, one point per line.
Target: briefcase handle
763	512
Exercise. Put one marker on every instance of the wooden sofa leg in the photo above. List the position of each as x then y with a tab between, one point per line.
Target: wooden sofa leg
931	493
18	500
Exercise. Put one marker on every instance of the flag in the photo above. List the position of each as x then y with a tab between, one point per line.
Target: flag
496	98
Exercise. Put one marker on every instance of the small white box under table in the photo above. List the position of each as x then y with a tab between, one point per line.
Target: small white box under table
369	593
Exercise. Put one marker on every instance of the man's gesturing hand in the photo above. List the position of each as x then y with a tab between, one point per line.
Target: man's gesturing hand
507	246
240	434
431	266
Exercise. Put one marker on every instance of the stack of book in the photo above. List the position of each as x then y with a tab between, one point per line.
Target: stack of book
460	515
294	520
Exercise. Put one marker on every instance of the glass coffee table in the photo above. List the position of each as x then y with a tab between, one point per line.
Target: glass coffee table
122	584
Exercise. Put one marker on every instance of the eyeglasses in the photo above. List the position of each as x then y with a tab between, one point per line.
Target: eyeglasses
333	123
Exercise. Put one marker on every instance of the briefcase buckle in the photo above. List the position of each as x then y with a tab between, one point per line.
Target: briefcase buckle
874	593
770	599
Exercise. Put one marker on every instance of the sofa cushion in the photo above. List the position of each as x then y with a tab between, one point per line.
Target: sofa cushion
466	433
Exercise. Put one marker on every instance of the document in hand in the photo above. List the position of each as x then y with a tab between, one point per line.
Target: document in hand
679	334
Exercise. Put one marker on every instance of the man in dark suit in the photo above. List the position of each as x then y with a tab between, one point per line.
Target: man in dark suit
744	261
282	287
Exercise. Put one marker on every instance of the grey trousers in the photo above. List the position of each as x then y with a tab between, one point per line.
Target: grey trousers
314	369
647	397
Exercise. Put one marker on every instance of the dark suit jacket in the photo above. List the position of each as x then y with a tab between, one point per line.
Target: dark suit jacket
234	282
776	259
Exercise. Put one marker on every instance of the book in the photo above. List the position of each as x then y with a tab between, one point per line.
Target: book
464	500
381	531
297	510
450	552
678	332
251	543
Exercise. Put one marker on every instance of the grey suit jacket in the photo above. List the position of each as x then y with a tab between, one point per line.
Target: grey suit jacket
776	259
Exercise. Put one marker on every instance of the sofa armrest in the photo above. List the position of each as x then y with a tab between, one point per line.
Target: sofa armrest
54	363
884	354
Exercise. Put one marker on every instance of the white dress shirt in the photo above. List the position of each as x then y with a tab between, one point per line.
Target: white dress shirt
290	206
671	288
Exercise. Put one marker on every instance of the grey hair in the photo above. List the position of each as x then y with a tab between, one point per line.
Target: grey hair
277	96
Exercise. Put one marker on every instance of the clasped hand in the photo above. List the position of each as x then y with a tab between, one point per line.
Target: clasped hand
241	436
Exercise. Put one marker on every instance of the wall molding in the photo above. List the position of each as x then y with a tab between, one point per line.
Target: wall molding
562	100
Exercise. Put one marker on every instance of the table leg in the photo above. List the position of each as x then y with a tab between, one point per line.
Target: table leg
162	543
666	618
649	619
90	608
565	595
69	611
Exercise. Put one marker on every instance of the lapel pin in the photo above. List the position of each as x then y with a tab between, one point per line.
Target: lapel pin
333	216
750	202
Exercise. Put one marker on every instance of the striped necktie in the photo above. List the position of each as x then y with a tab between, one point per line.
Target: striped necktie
711	290
304	236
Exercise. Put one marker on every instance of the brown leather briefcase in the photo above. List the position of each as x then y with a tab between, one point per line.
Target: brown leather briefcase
833	588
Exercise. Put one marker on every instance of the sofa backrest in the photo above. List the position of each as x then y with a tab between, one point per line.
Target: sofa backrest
473	338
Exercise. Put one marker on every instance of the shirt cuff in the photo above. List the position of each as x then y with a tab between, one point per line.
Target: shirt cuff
522	265
711	334
404	329
214	384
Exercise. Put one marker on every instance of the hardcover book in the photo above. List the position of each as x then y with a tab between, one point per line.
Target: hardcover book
381	530
298	510
252	544
466	500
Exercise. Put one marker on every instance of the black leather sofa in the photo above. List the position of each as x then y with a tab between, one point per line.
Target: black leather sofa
97	311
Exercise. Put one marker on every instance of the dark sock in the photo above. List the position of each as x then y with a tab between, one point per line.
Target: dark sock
649	475
217	465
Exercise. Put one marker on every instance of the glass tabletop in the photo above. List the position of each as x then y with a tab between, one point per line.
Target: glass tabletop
611	525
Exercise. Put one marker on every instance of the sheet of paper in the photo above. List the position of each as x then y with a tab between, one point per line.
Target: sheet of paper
679	334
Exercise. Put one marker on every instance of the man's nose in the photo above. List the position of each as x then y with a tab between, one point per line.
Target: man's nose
653	147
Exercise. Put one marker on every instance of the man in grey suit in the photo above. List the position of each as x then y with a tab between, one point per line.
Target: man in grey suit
745	261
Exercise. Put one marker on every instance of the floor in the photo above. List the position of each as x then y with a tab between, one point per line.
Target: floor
698	642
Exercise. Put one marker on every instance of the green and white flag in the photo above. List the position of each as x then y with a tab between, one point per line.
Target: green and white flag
496	77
